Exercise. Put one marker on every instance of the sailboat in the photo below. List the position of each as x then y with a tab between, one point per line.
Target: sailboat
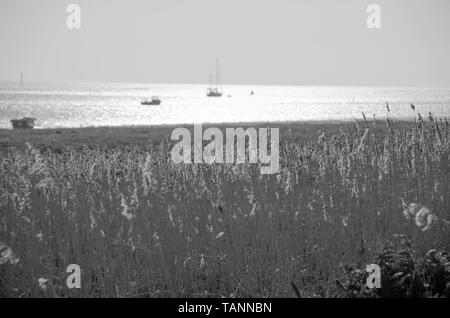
215	88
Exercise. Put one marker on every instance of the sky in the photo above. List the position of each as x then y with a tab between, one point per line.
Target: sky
267	42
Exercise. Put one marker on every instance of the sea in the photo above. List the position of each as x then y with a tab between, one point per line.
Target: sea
75	105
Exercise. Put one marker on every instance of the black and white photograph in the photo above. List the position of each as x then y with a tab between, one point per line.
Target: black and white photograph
224	153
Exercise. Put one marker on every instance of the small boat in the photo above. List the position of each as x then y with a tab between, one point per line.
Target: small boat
154	101
24	122
214	89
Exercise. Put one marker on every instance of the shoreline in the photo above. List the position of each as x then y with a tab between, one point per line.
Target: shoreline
130	136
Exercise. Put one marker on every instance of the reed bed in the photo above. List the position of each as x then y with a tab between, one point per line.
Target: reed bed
139	225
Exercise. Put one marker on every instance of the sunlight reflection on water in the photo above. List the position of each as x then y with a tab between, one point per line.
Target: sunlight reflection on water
81	105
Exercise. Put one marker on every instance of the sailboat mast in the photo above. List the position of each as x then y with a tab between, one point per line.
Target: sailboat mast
215	85
218	75
210	79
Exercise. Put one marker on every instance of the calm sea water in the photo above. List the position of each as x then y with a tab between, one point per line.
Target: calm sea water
81	105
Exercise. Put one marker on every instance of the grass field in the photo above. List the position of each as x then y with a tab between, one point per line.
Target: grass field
139	225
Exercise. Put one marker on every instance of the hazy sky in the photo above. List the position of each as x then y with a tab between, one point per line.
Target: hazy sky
298	42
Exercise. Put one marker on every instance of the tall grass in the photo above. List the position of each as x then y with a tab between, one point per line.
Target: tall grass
140	225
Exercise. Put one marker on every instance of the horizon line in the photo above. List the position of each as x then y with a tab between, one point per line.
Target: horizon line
225	84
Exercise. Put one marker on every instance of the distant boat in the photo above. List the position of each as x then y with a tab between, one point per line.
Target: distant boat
24	122
215	87
154	101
